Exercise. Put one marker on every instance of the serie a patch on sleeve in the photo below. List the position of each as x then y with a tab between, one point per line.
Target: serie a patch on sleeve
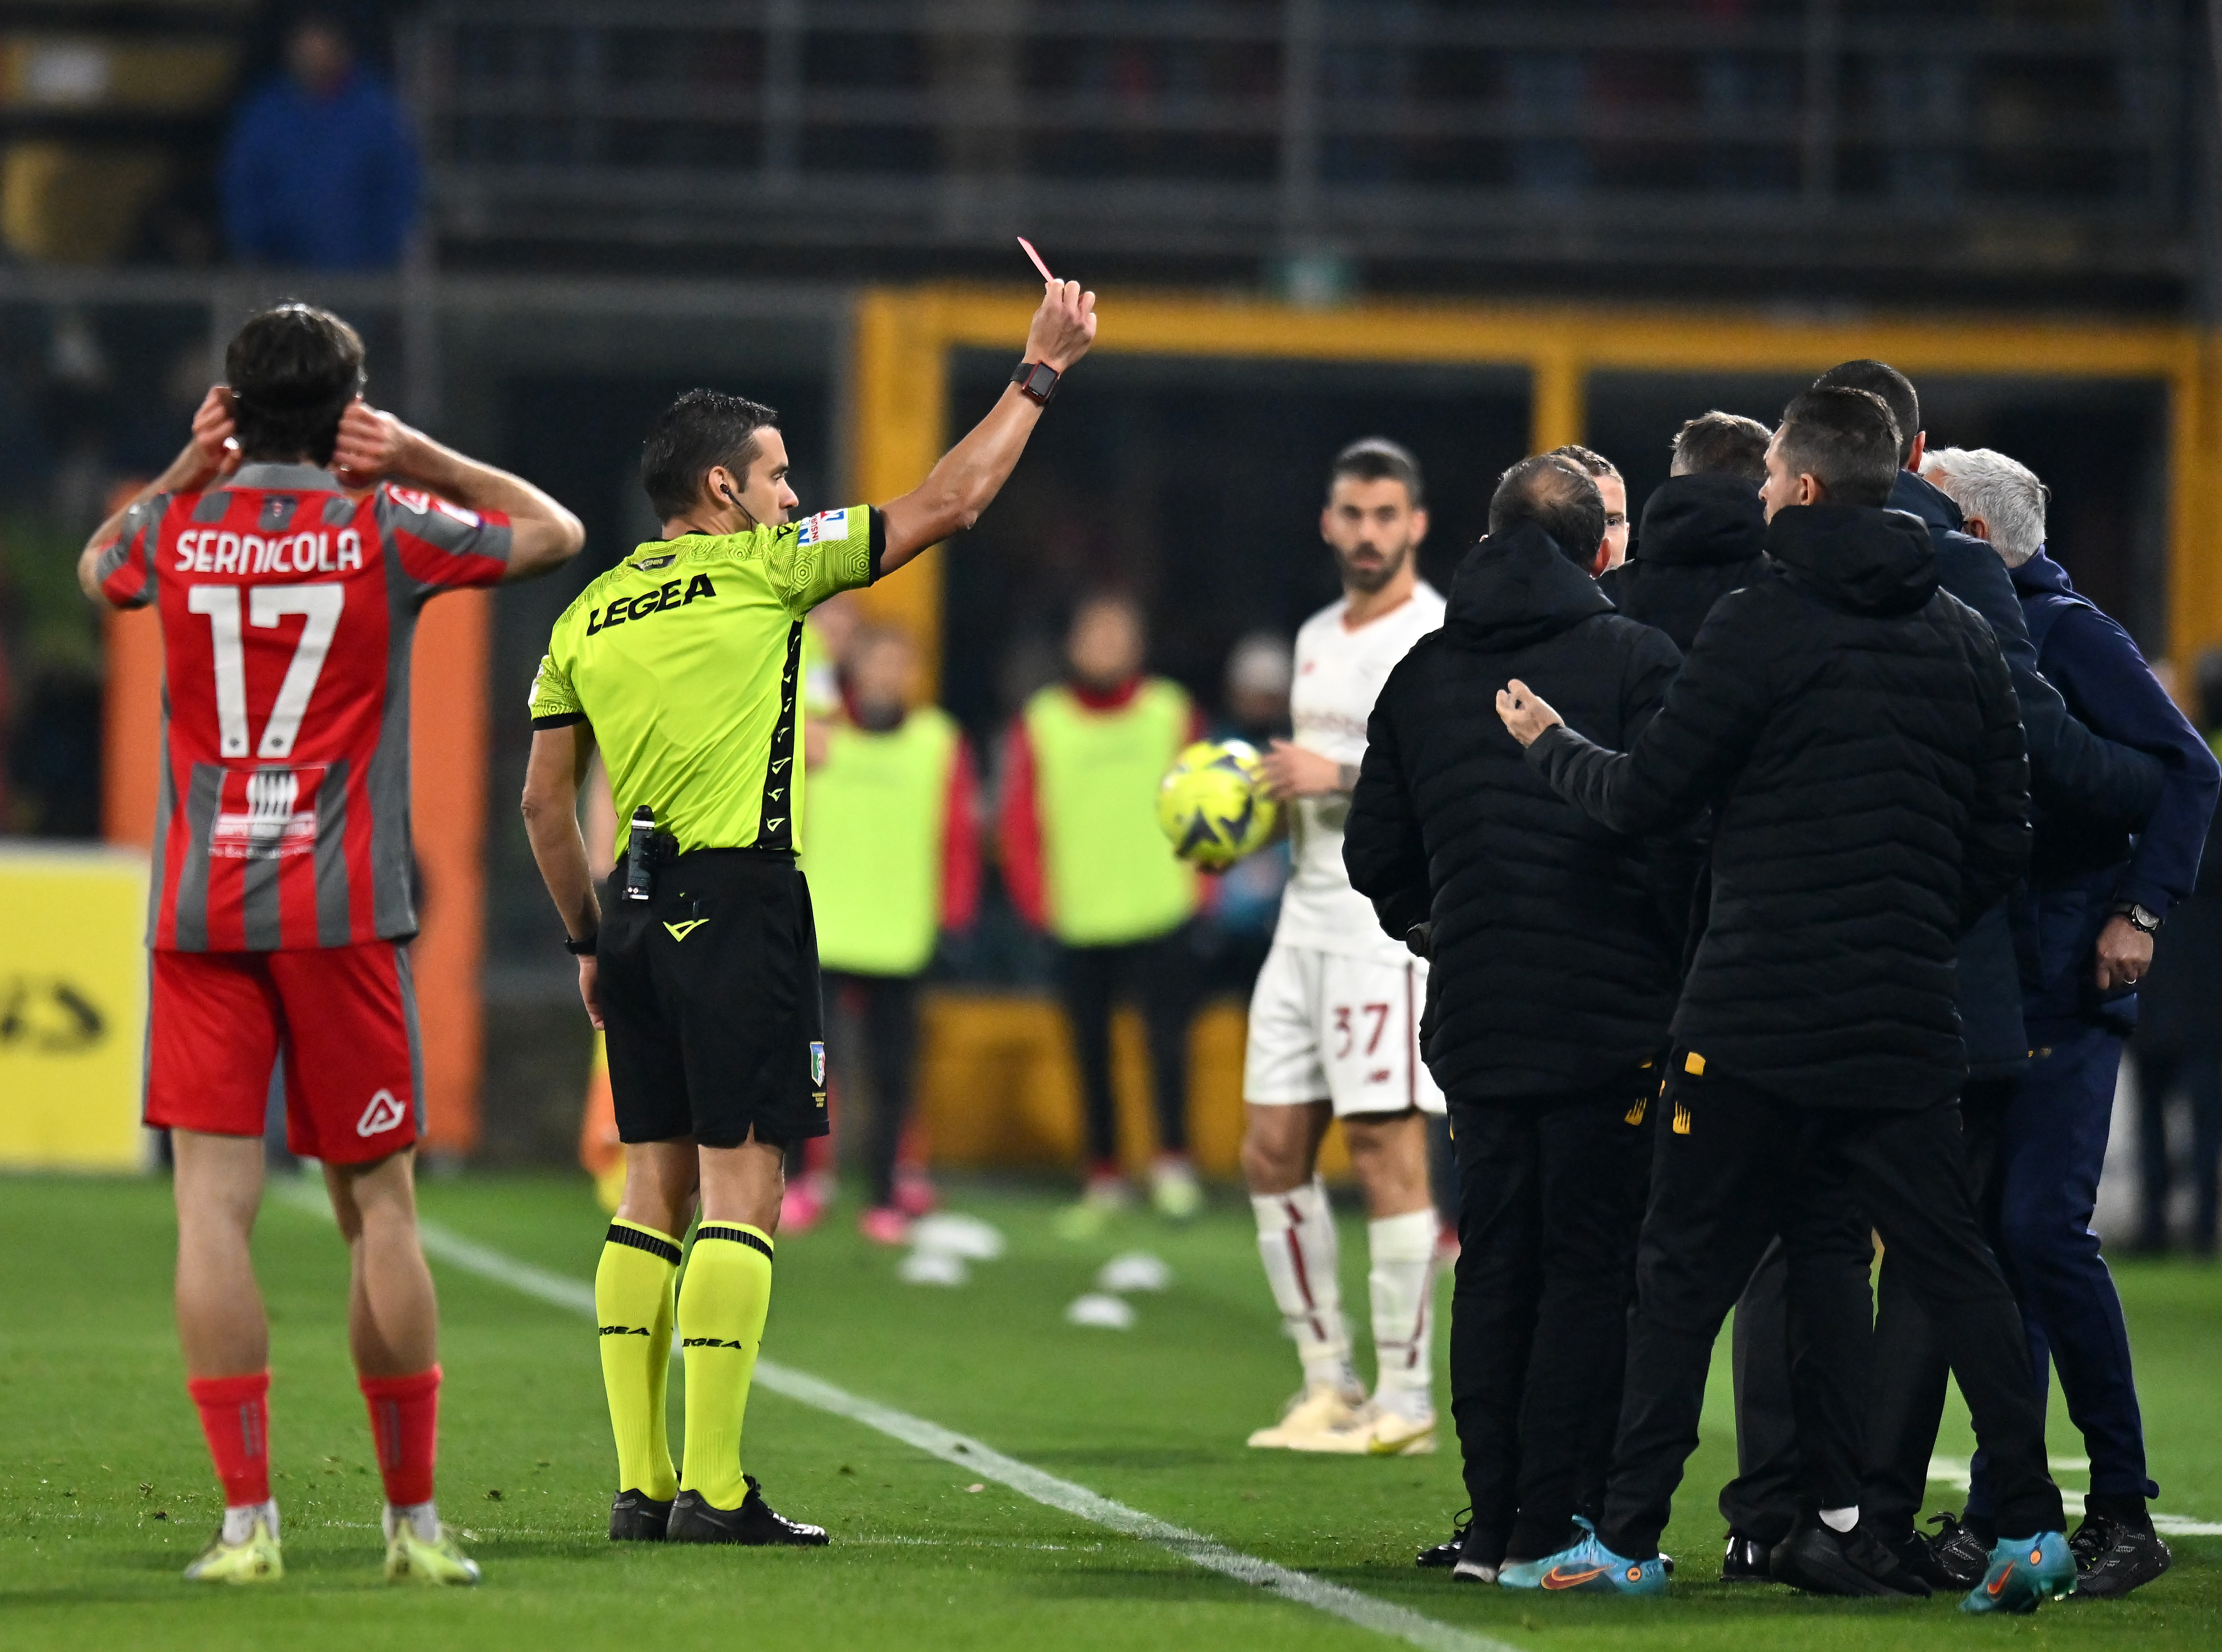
827	527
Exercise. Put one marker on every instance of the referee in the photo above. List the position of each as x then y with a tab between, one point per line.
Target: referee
682	661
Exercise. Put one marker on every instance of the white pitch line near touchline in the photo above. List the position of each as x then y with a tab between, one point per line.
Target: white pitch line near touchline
1382	1617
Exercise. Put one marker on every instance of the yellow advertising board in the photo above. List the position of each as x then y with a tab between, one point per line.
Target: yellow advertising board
72	1007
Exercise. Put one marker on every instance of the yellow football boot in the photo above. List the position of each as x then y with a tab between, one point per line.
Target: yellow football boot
1373	1430
257	1559
410	1558
1314	1412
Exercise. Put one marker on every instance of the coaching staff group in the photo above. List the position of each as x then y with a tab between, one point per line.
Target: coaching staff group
700	959
1856	728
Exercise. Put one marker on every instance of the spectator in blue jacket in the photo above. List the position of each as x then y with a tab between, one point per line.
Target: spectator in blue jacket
2084	930
319	172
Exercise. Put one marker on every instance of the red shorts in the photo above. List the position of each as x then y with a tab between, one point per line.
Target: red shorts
342	1019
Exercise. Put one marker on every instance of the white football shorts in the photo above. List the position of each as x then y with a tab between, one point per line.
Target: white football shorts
1347	1030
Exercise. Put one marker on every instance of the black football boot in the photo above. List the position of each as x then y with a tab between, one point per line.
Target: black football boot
1444	1555
2115	1555
1746	1561
637	1517
694	1520
1963	1556
1821	1561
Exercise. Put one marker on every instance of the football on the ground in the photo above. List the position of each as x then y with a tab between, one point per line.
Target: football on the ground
1212	803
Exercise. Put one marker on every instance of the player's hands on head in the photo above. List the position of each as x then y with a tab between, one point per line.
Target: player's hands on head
1292	771
215	445
1525	713
373	446
1064	327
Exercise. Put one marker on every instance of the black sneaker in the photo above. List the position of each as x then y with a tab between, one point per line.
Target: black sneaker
637	1517
2113	1557
1444	1555
1823	1562
755	1523
1746	1561
1963	1557
1914	1554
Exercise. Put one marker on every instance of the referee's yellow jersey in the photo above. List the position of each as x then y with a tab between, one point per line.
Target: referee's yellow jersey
685	657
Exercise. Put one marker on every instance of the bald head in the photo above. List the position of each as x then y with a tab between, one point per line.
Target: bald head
1559	496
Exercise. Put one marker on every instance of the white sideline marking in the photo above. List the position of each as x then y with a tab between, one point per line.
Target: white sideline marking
1958	1472
1382	1617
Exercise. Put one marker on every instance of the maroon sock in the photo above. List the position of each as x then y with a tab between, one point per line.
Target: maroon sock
404	1421
235	1417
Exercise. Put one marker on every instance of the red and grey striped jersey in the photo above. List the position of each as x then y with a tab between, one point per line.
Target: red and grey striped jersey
288	609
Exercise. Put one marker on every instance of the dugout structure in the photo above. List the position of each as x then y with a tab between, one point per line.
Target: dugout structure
905	342
996	1081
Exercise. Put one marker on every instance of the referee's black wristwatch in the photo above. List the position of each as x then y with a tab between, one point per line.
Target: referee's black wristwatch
2143	919
583	948
1038	379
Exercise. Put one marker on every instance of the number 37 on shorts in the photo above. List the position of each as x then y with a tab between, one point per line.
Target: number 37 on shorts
1346	1030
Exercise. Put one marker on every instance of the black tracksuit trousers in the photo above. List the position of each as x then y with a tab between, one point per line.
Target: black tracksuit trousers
1733	1167
1550	1197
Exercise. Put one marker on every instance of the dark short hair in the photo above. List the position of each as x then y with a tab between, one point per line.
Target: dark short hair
1721	444
1376	458
1844	439
1594	463
1557	496
701	429
293	371
1880	379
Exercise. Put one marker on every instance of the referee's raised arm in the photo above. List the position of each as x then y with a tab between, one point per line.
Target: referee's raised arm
973	472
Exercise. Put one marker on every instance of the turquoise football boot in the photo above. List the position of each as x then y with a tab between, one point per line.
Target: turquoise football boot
1590	1566
2024	1571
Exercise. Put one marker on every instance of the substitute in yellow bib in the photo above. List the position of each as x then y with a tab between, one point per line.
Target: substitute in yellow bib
1083	858
699	957
892	849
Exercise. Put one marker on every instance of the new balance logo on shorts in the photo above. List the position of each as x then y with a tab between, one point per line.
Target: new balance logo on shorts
384	1113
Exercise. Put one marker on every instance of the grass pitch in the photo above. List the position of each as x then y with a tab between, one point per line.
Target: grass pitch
105	1491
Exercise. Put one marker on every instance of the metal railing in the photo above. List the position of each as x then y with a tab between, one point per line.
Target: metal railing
1777	134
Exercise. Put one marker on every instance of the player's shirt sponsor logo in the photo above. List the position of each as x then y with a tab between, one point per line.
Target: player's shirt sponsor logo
826	528
666	596
265	813
386	1112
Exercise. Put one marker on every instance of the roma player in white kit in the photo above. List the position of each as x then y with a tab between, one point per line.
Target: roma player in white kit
1334	1020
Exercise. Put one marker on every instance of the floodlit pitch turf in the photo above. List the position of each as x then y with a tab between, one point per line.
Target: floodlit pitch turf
105	1491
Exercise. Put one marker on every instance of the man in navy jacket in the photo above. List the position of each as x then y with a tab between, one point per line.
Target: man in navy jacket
2083	930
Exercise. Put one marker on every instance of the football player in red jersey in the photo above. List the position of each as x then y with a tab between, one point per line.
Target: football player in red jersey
288	550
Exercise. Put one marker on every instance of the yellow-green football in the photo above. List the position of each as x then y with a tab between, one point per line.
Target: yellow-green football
1212	803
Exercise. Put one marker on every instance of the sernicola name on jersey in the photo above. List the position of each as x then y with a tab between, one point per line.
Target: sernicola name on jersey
210	550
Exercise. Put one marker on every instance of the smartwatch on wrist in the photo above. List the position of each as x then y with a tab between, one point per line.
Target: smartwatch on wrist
2143	919
583	948
1038	379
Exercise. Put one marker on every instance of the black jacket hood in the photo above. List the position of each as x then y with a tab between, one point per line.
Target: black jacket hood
1854	557
1691	520
1516	589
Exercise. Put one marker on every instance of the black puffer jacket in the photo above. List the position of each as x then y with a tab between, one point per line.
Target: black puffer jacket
1856	730
1553	969
1701	538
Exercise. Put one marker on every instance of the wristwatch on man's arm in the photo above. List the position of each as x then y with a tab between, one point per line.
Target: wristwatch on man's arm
2143	919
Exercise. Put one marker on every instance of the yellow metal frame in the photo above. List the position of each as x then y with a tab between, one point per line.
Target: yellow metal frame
901	413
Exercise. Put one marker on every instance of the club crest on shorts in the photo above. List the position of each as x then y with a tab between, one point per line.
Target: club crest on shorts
384	1113
817	1063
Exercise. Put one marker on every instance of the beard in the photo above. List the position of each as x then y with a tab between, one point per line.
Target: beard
1371	577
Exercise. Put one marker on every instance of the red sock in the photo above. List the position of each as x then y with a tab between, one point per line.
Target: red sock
235	1417
404	1420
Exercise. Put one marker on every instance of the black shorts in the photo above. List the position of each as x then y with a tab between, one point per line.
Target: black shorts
710	995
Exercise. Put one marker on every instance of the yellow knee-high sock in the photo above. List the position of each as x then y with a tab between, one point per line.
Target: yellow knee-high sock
722	1305
634	1287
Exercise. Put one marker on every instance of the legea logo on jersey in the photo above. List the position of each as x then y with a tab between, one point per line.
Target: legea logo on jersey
384	1113
825	528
